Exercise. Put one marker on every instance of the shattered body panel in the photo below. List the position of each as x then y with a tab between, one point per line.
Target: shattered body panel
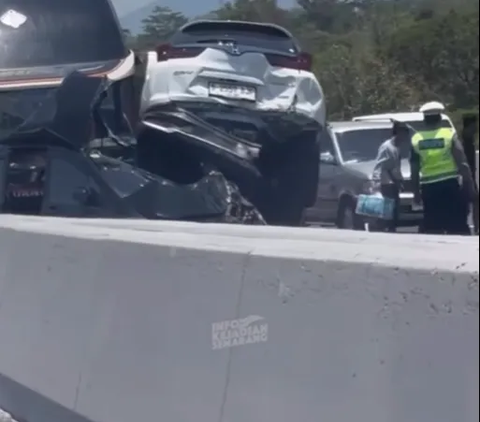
47	161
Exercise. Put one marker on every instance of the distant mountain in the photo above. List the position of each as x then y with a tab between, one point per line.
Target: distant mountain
133	20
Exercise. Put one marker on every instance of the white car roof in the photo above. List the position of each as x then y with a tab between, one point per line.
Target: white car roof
340	127
401	117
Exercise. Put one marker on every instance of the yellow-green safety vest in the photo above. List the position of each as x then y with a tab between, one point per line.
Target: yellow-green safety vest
436	159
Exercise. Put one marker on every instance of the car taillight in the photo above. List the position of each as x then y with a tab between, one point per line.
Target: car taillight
166	52
303	61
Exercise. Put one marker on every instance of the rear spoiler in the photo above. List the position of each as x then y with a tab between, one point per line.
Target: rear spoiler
219	25
28	78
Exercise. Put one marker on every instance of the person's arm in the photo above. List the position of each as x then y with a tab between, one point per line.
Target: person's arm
379	164
463	167
392	166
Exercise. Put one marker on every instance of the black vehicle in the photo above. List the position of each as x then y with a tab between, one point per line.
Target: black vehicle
48	168
43	41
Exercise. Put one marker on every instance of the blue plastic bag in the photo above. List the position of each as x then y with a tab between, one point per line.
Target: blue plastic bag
375	206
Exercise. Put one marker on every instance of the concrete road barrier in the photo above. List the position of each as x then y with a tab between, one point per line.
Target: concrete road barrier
113	321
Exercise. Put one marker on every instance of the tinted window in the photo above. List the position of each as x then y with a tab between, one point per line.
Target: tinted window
326	143
15	106
259	36
363	145
54	32
116	114
66	181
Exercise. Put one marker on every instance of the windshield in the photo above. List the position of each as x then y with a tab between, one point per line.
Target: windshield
124	179
36	33
363	144
16	106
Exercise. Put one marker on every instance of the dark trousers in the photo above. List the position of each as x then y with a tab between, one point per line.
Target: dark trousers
392	191
445	208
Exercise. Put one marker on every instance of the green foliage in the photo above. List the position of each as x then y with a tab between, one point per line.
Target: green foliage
371	56
159	27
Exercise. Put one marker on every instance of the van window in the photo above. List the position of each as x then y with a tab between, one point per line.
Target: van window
362	145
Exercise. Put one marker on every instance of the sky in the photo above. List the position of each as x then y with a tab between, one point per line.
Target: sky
126	6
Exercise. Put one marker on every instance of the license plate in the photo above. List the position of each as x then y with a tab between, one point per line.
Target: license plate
233	92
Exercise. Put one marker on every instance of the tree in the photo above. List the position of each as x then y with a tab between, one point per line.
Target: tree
333	16
359	82
159	27
129	38
443	53
254	11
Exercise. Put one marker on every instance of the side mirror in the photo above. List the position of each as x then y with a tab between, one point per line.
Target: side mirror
327	158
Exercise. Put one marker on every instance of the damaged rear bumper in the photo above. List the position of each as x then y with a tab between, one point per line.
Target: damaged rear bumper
275	169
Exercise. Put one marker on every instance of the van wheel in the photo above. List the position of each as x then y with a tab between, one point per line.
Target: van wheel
347	218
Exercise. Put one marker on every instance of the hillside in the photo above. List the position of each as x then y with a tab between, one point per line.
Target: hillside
133	20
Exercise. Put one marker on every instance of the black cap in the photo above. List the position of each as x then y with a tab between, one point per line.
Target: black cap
400	126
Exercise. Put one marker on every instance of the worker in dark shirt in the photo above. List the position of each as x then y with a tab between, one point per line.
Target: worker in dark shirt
469	135
387	172
437	162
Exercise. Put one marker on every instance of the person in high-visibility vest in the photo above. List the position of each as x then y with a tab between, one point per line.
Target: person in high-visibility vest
438	162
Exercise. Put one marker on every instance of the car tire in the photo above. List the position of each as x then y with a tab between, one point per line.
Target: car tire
347	218
291	171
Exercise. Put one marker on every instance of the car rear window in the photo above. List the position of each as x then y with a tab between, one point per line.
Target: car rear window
243	33
362	145
35	33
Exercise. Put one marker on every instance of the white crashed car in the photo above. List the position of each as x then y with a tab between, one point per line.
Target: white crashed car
244	97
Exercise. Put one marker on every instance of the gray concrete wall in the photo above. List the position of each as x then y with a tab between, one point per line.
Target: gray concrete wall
107	321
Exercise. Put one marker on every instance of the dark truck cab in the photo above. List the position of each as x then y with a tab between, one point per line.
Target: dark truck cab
66	81
47	167
43	41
